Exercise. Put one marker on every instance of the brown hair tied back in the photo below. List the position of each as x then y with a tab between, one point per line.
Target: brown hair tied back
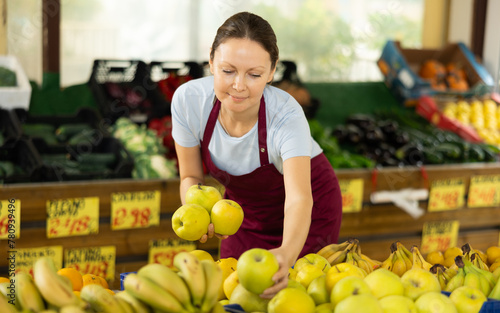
251	26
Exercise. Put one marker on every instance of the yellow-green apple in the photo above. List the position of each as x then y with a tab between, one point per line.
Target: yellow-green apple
341	270
203	195
190	221
468	299
314	259
256	268
317	290
289	300
435	302
324	308
202	255
347	287
227	216
383	282
292	273
249	301
397	304
366	303
230	283
307	273
417	281
292	283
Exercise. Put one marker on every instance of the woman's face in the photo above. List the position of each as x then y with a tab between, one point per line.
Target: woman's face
241	69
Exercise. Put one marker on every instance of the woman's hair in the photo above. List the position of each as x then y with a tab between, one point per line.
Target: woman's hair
251	26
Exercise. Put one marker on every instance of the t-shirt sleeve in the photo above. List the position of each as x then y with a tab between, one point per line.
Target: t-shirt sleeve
184	118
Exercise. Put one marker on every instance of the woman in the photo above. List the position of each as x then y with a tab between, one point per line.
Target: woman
255	140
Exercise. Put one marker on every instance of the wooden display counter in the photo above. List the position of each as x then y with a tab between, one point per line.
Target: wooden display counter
376	225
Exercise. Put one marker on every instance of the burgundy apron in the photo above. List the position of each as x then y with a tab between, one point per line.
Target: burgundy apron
261	194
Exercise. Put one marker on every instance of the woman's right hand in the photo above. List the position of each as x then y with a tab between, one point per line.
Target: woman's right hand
211	233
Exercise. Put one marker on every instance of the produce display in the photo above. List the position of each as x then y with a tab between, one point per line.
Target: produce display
8	77
443	77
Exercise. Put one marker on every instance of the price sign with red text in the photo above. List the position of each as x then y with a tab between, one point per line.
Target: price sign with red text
10	219
139	209
446	194
162	251
99	261
352	194
484	191
72	217
439	236
24	259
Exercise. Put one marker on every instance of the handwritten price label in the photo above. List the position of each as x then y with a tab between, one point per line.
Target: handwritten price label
446	194
484	191
163	251
98	261
72	217
439	236
135	209
25	258
352	194
10	218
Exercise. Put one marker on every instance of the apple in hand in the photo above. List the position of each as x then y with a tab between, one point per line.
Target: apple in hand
318	291
206	196
397	304
307	274
365	303
468	299
227	217
383	282
347	287
417	281
314	259
256	268
190	221
249	301
291	300
435	302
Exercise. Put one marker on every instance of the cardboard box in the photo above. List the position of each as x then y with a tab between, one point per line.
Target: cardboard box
400	68
19	96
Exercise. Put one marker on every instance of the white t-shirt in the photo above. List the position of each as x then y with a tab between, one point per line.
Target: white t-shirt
288	133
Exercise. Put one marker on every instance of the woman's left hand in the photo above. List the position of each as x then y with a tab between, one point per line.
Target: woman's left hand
211	233
280	278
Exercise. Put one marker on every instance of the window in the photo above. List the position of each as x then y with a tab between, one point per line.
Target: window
330	40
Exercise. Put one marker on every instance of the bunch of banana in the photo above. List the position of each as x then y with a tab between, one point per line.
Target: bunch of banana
333	250
442	274
5	306
473	256
470	275
338	253
400	259
194	288
418	260
354	258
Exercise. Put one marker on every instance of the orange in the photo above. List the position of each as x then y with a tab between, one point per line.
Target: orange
435	257
73	275
104	282
4	280
452	252
493	253
77	293
89	279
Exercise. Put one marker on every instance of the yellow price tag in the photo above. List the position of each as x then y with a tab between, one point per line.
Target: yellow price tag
10	219
439	236
72	217
446	194
163	251
352	194
25	258
135	209
98	261
484	191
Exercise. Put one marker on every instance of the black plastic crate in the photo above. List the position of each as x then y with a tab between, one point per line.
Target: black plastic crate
123	88
64	163
26	162
10	130
88	117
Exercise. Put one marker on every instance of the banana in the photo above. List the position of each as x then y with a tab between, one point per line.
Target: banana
213	278
139	306
399	266
456	281
5	306
495	292
168	280
387	263
152	294
27	293
191	271
99	299
475	258
486	280
373	263
406	255
50	284
337	257
402	247
362	263
71	309
218	308
419	259
126	307
328	250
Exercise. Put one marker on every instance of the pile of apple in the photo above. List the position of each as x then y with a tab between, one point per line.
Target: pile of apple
204	205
